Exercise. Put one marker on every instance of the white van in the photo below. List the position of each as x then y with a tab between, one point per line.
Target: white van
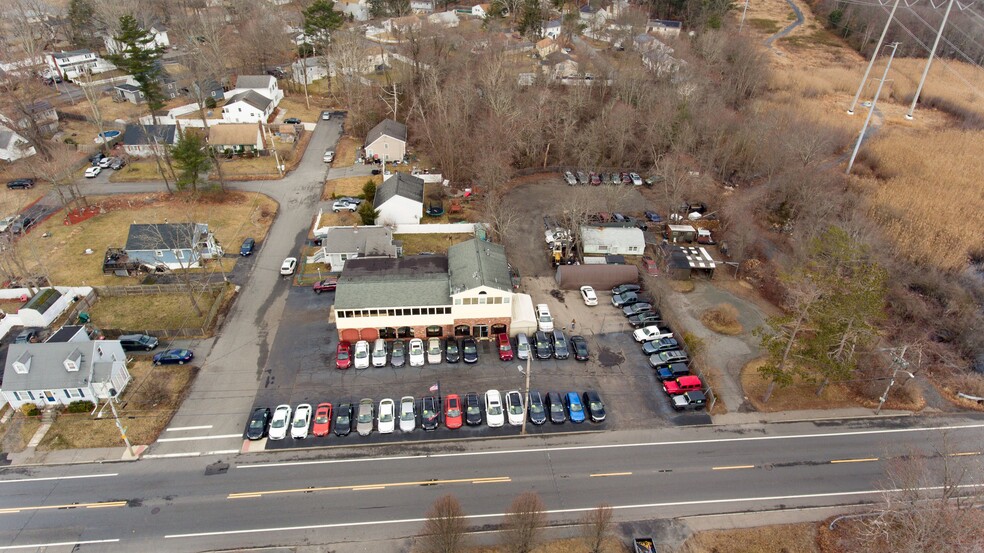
544	321
379	353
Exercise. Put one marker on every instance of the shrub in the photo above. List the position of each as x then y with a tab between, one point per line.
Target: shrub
722	319
80	407
210	102
30	410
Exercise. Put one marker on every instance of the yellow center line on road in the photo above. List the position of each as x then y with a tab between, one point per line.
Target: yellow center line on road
606	474
734	467
363	487
100	505
866	460
965	453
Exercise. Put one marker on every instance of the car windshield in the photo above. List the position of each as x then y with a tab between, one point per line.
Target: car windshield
536	408
322	418
597	406
385	417
343	354
407	415
470	348
278	423
342	419
256	423
495	410
359	354
300	423
416	349
542	343
556	408
452	348
575	407
364	416
544	318
472	409
505	347
454	412
145	339
516	409
428	413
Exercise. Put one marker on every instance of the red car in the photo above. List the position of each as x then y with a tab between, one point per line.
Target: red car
682	385
505	348
326	285
322	419
452	411
343	355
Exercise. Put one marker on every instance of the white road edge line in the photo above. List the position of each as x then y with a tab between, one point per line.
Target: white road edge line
550	512
606	446
191	438
58	478
191	454
183	428
39	545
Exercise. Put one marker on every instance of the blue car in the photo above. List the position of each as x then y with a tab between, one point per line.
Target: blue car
654	217
174	357
574	407
247	247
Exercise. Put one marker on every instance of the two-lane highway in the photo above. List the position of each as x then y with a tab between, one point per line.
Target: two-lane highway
334	496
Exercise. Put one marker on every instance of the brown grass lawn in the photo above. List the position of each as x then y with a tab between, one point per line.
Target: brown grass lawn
242	167
137	171
294	106
231	217
109	110
151	312
571	545
347	186
799	395
783	538
346	152
436	243
148	403
17	432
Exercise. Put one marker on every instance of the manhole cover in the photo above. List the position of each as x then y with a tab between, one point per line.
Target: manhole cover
217	468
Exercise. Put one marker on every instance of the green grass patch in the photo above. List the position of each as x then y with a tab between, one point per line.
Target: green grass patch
820	37
768	26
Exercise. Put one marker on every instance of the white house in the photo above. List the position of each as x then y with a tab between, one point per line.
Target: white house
316	68
358	9
480	10
71	65
551	29
59	373
264	85
422	6
157	31
399	200
340	244
14	146
176	245
444	19
612	240
664	27
387	141
247	106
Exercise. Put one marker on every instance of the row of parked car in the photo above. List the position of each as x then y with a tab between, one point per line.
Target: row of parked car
492	409
624	177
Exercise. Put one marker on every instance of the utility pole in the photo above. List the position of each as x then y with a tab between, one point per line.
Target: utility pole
874	55
899	363
743	11
526	398
116	417
929	62
871	110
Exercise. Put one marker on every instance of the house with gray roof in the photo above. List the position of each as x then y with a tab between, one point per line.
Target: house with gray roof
400	200
59	373
247	106
14	146
173	245
143	140
264	85
340	244
387	141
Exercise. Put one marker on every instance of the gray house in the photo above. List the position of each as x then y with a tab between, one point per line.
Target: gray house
612	240
144	140
174	245
59	373
400	200
340	244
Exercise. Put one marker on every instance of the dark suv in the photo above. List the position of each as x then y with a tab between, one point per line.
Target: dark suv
20	183
131	342
542	344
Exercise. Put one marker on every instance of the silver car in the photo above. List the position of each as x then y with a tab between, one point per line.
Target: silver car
408	414
522	346
364	417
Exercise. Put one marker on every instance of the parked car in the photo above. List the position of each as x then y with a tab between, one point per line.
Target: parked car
623	288
582	177
361	354
258	421
637	308
664	358
398	353
292	121
343	355
326	116
595	179
322	420
288	266
636	179
522	346
663	344
452	411
544	321
646	318
416	352
626	179
559	344
118	163
429	413
93	172
351	200
28	335
542	344
343	419
22	184
343	206
408	414
671	371
386	418
329	156
574	407
22	224
95	158
6	222
493	409
325	285
589	296
692	401
569	178
105	162
648	333
434	349
379	353
505	347
653	217
596	407
452	353
514	408
364	416
174	357
614	178
280	422
683	384
555	406
302	420
538	415
132	342
580	347
473	409
625	298
469	350
247	248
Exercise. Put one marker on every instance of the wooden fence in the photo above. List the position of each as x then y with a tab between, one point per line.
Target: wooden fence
152	289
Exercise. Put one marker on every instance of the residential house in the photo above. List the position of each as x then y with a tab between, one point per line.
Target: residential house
559	66
247	106
612	240
387	141
660	61
444	19
208	88
237	137
128	93
174	245
144	140
552	29
399	200
316	68
59	373
14	146
40	113
157	30
664	27
341	244
546	47
71	65
422	6
264	85
480	10
358	9
399	24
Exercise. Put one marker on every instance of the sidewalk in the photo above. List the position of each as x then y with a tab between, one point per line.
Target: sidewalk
74	456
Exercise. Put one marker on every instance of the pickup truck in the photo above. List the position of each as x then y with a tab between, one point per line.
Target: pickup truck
690	401
644	545
671	371
682	385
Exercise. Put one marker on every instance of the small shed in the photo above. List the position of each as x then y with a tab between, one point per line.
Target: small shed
572	277
523	315
680	233
683	263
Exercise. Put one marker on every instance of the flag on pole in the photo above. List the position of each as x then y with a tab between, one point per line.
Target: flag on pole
434	388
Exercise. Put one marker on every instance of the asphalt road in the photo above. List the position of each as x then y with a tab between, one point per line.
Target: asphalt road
335	496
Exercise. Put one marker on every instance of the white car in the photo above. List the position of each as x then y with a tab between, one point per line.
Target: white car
386	417
280	422
551	236
569	178
361	354
434	351
379	353
651	333
636	179
416	352
493	409
343	206
105	162
544	321
93	172
329	156
302	420
408	414
589	296
514	408
6	222
326	116
288	266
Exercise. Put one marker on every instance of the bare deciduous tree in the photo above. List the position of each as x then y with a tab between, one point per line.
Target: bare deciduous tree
444	530
524	521
597	527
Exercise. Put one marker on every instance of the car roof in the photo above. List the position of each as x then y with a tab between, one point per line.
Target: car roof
690	379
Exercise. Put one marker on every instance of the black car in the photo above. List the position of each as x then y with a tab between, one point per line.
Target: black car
594	405
473	409
398	353
559	342
247	248
646	318
469	350
671	371
20	183
343	419
637	308
580	346
96	158
556	409
132	342
625	299
542	343
258	422
623	288
452	353
117	164
536	410
430	410
292	121
663	344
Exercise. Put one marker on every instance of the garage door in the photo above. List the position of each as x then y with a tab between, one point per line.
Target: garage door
350	335
370	334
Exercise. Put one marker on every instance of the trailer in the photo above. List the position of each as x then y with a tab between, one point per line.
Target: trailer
644	545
